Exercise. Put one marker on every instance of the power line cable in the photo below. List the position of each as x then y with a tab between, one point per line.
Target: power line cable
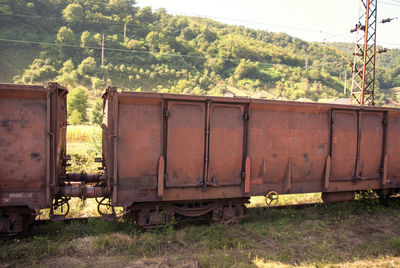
58	18
389	4
99	48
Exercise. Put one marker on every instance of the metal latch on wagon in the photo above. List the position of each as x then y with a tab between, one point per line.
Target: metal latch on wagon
245	116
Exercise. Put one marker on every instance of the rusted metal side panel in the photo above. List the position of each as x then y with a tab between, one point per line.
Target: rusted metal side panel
371	145
139	144
57	132
185	144
226	144
32	143
23	143
108	135
287	146
59	107
344	144
115	138
179	148
393	149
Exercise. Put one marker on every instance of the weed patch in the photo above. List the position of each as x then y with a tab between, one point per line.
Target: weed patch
114	242
395	243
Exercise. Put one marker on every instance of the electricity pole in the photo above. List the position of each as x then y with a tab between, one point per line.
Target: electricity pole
102	51
363	80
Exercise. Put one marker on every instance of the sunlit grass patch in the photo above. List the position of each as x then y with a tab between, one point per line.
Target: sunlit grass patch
84	145
224	259
384	261
82	133
262	263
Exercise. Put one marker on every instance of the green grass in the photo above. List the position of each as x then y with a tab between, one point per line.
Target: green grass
344	234
83	133
84	145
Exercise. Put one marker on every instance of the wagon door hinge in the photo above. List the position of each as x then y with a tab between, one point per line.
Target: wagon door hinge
165	113
245	116
384	122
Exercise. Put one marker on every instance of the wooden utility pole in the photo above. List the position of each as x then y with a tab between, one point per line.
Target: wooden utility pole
124	30
345	83
363	81
102	51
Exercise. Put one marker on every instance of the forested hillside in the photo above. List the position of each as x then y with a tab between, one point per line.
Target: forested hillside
61	40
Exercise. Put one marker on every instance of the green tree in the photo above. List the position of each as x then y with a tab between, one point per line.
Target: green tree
145	15
135	45
88	66
246	69
87	39
75	118
68	66
154	39
78	101
65	36
97	112
73	13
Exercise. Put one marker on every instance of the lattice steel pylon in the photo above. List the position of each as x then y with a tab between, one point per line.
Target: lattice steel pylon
363	81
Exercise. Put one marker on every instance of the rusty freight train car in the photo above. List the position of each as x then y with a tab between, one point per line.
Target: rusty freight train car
33	122
170	154
166	155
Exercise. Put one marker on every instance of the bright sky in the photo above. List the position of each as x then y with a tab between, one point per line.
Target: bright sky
310	20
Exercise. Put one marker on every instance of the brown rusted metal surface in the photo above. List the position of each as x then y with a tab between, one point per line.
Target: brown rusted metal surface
33	122
344	144
218	148
392	147
32	143
82	191
226	144
185	144
371	145
337	197
288	145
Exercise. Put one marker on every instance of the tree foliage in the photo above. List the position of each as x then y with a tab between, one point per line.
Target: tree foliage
78	105
65	36
156	51
73	13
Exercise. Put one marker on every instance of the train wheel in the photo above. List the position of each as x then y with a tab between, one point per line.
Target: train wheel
15	220
60	208
271	199
151	218
105	207
229	213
